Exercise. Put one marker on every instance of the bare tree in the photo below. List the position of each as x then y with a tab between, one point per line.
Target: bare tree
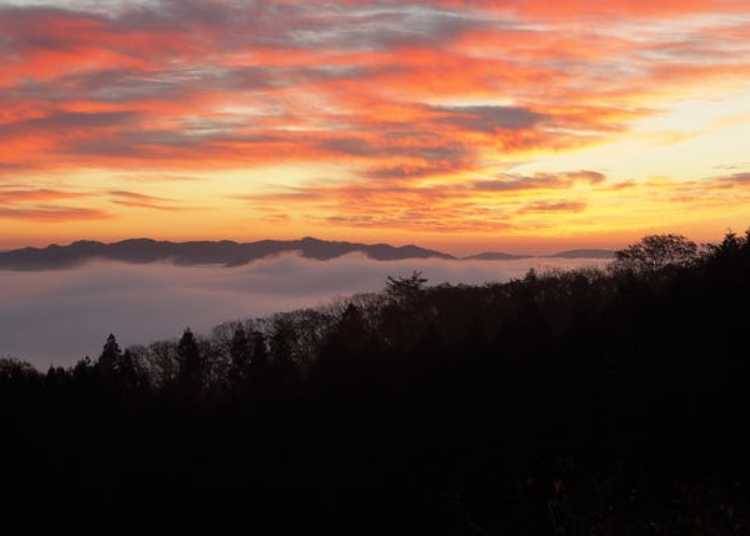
655	252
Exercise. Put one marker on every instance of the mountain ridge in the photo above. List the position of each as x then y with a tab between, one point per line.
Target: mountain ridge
583	254
495	256
229	253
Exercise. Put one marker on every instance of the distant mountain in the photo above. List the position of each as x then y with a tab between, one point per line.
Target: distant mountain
228	253
225	253
584	254
495	256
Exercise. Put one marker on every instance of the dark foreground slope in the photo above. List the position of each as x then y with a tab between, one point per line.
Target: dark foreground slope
584	403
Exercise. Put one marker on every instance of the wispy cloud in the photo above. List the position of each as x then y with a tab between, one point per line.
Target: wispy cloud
553	206
52	214
137	200
539	181
36	195
401	104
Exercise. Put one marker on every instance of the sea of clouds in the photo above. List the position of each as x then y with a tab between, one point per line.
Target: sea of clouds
60	316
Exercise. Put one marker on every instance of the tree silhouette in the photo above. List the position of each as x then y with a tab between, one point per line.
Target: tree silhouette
83	370
655	252
109	358
15	371
129	372
594	401
191	373
240	354
730	249
345	351
281	343
405	290
260	351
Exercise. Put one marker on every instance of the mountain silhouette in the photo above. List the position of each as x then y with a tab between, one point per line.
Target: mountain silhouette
584	254
226	253
495	256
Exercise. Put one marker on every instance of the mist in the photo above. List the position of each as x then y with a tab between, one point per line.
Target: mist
57	317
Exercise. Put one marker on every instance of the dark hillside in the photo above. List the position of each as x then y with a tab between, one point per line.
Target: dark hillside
587	402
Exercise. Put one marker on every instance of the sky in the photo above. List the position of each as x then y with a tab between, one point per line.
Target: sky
517	125
77	309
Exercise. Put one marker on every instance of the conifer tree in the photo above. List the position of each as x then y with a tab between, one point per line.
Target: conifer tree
190	376
239	353
110	357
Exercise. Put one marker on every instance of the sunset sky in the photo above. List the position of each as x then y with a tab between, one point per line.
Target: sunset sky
520	125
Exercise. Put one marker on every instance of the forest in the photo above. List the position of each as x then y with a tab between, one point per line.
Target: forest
593	401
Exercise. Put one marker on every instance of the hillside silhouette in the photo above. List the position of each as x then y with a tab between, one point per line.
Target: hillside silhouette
584	254
225	253
228	253
580	402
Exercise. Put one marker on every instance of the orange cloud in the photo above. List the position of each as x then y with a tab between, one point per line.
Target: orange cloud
554	206
417	109
137	200
42	195
539	181
52	214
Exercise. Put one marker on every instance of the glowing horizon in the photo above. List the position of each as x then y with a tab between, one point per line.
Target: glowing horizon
524	126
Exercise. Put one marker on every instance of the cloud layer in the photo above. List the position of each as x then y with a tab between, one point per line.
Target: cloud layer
423	116
61	316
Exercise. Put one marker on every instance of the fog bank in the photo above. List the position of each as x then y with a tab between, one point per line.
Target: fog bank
60	316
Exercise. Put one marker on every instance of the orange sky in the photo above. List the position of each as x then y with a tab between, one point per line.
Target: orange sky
523	125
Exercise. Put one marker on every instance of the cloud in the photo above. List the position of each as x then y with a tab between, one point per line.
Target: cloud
61	122
52	214
489	118
603	11
415	144
539	181
172	60
553	206
592	177
36	195
76	309
415	171
132	86
137	200
736	178
622	185
405	93
390	205
733	167
720	189
402	203
158	177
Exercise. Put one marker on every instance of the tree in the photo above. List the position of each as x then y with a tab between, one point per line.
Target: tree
110	357
190	375
239	353
14	370
352	325
129	371
655	252
162	364
83	369
56	377
260	351
405	290
531	276
347	341
282	341
730	249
